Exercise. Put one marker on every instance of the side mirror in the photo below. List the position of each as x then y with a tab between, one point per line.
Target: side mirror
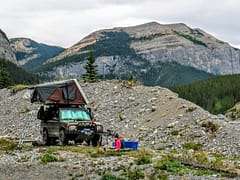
90	112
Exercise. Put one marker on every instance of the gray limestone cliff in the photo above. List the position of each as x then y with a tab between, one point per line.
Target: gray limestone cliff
6	52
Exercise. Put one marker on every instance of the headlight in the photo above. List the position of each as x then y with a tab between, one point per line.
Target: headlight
100	128
71	128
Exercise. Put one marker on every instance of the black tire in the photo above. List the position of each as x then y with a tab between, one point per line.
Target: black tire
62	137
97	140
88	142
45	138
53	141
79	142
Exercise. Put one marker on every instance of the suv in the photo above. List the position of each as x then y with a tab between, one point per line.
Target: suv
69	122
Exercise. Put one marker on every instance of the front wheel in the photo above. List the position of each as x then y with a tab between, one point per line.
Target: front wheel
62	138
97	140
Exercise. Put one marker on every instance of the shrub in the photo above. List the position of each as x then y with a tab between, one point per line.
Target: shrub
191	108
210	126
174	132
163	176
109	176
136	174
48	157
144	160
171	166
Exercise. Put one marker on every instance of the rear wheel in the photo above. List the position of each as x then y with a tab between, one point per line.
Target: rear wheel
45	138
53	141
62	138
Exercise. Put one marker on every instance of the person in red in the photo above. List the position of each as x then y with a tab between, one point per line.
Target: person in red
117	142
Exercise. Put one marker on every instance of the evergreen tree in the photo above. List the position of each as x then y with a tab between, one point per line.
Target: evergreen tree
91	69
5	79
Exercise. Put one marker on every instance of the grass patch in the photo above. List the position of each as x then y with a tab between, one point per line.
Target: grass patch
174	133
115	153
7	146
94	152
141	153
162	176
192	145
18	88
136	174
109	176
198	163
174	167
133	174
48	157
24	159
26	110
144	160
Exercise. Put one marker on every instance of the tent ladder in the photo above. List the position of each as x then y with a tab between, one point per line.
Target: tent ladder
26	130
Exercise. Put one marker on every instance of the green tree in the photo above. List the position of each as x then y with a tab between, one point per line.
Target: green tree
91	69
5	79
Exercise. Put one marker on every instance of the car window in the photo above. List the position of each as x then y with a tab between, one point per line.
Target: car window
71	114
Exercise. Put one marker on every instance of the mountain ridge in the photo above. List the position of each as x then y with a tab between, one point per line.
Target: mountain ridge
137	31
148	51
141	49
30	53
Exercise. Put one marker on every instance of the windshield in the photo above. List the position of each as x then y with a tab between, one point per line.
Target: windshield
74	114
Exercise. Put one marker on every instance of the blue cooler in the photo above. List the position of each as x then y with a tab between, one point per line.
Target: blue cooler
131	144
128	144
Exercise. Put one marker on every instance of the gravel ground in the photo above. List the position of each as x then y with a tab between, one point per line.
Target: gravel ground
153	116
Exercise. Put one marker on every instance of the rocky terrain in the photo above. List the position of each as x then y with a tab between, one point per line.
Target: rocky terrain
6	50
161	122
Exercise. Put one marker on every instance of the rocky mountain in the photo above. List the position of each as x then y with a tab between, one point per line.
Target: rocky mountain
31	54
162	123
6	52
153	52
9	64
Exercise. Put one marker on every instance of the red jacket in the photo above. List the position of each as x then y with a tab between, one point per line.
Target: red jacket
117	143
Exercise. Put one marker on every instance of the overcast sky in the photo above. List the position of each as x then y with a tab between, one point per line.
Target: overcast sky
65	22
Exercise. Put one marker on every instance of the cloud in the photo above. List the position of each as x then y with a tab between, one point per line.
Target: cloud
65	22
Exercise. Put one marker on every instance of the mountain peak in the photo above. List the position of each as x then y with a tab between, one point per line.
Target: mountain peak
30	53
147	50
